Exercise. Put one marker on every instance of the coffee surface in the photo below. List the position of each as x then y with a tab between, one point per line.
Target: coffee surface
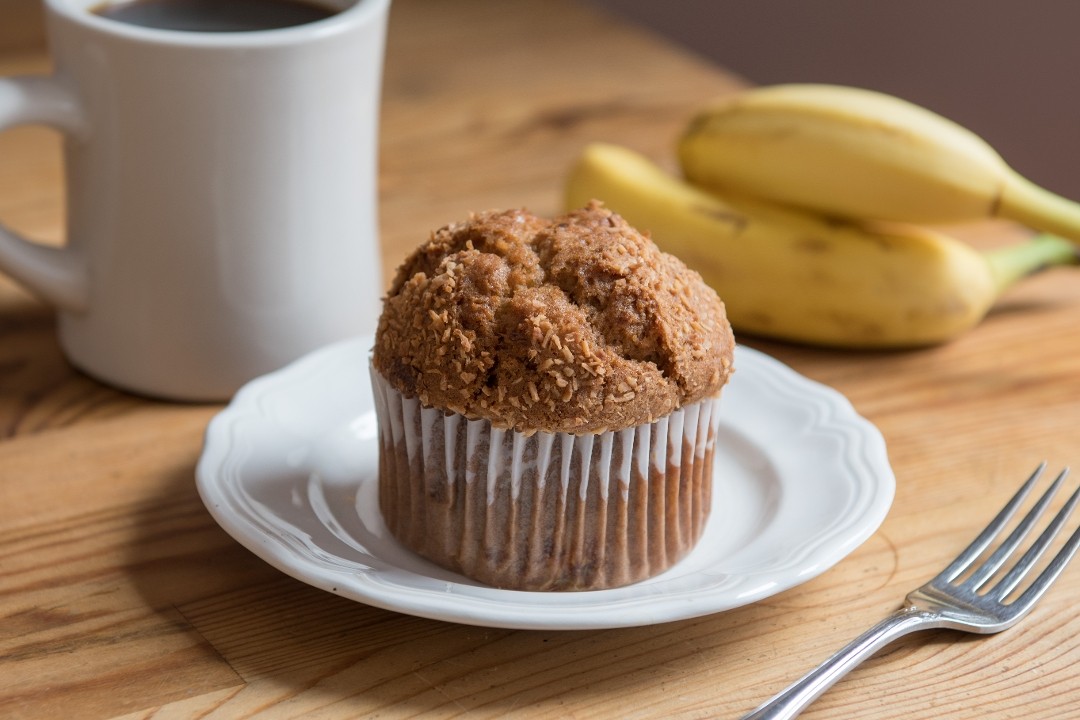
214	15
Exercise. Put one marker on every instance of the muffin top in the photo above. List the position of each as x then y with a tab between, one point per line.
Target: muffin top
578	324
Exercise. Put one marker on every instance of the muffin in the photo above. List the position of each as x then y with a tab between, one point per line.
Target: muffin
547	397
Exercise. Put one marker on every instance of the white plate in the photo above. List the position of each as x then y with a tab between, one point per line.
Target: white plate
800	481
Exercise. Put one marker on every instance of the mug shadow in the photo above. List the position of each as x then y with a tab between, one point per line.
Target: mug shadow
315	649
34	325
47	389
43	388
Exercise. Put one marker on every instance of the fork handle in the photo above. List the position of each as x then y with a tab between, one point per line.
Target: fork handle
792	701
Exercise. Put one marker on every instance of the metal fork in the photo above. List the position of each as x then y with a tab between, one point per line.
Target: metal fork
953	599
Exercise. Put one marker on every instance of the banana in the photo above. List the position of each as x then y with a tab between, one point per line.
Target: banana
856	153
795	276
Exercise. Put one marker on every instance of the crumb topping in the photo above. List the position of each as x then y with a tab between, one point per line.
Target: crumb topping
578	324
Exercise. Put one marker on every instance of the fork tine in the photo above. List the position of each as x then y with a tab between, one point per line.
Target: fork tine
941	603
985	571
964	559
1024	565
1047	577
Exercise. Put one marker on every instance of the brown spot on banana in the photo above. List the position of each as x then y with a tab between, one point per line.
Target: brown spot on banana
995	199
737	221
758	319
856	325
813	245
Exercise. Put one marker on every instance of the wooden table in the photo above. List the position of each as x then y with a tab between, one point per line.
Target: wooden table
120	596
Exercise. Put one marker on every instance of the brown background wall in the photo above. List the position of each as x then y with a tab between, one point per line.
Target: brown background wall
20	24
1007	69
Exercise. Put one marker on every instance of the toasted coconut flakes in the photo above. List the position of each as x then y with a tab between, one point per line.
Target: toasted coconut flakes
547	337
631	312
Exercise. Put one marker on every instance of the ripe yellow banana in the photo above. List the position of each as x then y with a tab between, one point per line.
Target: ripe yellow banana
795	276
861	154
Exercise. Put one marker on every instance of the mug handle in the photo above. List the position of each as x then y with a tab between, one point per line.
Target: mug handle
57	274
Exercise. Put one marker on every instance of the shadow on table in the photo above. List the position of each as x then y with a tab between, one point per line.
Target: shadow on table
307	649
29	350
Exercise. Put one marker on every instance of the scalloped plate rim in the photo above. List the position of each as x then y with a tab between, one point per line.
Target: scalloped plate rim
666	598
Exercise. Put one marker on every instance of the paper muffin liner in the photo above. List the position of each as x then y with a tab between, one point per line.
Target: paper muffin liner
546	511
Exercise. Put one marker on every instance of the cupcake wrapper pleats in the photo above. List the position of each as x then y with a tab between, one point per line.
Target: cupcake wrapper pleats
546	511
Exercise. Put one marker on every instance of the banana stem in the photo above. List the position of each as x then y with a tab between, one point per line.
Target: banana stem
1015	262
1038	208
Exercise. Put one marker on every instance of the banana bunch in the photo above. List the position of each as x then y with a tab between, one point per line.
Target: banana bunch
803	204
799	276
859	154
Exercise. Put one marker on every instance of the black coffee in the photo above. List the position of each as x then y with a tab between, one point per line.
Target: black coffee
214	15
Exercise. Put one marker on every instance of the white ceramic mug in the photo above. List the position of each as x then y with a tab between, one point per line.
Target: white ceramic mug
222	192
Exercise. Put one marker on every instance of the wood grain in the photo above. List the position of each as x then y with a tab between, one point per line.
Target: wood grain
120	597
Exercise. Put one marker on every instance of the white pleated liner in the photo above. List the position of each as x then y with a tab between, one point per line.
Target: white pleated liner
547	511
